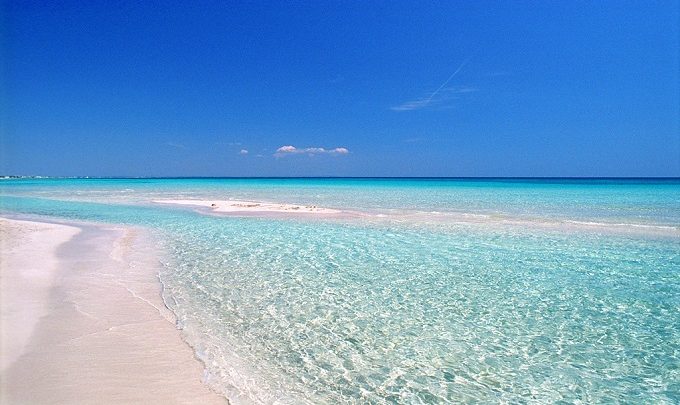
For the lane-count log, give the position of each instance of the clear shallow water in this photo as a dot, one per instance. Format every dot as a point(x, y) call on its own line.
point(355, 311)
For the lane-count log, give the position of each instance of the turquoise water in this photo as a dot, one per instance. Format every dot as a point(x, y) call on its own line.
point(512, 300)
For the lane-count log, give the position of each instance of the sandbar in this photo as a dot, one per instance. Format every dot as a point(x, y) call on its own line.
point(240, 206)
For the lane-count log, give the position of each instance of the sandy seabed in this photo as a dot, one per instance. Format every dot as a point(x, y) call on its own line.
point(83, 322)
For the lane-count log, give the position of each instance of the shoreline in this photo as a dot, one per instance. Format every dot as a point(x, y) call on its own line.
point(83, 319)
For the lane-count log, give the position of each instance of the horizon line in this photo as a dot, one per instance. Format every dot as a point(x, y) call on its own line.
point(10, 177)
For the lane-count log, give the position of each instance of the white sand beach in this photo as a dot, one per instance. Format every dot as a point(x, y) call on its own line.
point(239, 206)
point(82, 320)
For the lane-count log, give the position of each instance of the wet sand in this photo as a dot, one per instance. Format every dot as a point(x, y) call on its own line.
point(82, 320)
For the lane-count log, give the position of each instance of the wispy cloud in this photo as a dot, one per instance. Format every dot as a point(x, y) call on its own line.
point(175, 145)
point(411, 105)
point(441, 94)
point(440, 98)
point(292, 150)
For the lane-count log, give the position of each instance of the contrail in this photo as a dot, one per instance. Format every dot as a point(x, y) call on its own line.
point(447, 80)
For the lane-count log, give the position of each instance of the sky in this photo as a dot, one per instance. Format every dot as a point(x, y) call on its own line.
point(340, 88)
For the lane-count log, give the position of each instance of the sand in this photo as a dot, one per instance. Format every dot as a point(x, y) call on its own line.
point(82, 320)
point(238, 206)
point(422, 218)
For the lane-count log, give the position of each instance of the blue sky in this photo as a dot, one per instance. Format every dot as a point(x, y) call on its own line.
point(380, 88)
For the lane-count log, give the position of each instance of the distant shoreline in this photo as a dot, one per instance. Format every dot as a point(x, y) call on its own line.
point(481, 178)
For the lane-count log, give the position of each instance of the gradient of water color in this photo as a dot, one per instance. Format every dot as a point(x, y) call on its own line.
point(486, 307)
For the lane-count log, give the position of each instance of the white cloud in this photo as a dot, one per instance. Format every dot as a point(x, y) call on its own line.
point(287, 149)
point(243, 152)
point(292, 150)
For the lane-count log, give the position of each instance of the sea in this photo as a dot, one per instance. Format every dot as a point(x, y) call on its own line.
point(424, 290)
